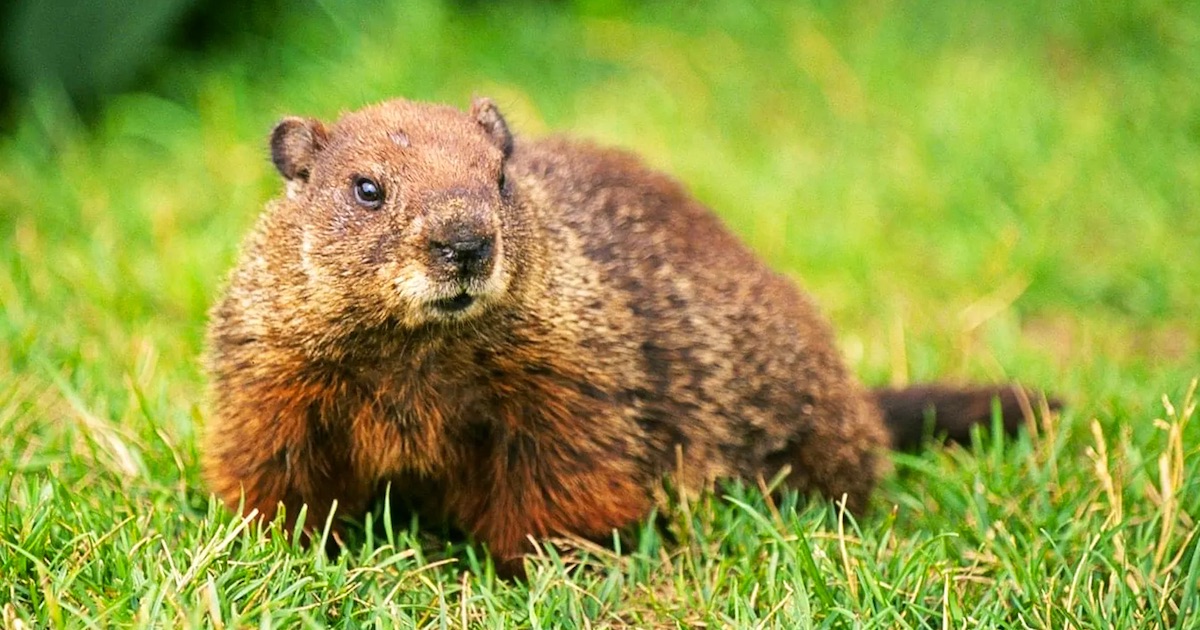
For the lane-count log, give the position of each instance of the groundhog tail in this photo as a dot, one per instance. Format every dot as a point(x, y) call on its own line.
point(948, 413)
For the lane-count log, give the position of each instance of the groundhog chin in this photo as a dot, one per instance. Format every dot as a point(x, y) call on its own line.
point(424, 300)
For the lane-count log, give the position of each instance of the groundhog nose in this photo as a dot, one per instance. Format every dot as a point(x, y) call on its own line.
point(469, 255)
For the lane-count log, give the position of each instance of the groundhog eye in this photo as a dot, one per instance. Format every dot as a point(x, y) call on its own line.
point(367, 192)
point(502, 181)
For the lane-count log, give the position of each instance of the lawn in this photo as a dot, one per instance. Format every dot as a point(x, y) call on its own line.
point(972, 193)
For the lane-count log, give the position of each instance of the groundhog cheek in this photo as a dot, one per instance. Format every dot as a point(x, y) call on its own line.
point(408, 284)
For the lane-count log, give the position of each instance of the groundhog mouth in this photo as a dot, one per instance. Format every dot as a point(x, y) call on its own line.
point(454, 304)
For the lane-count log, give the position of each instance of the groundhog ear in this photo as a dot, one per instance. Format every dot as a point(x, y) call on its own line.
point(485, 112)
point(294, 144)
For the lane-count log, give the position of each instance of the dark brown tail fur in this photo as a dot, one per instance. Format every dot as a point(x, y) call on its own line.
point(951, 411)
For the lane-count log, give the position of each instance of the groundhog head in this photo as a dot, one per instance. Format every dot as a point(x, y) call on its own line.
point(402, 209)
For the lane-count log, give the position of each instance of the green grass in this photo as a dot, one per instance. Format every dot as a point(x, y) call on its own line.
point(972, 193)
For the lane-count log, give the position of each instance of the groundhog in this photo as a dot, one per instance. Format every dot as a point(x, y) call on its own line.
point(523, 338)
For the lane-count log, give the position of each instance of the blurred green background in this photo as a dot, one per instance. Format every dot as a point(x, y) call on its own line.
point(972, 191)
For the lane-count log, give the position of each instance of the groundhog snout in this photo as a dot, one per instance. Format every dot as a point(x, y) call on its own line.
point(464, 250)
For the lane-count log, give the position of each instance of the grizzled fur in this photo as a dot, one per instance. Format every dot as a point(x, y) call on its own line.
point(605, 323)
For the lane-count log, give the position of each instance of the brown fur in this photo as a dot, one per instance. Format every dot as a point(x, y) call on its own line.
point(611, 319)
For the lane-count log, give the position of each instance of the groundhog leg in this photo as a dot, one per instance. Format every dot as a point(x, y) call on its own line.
point(839, 455)
point(536, 490)
point(507, 525)
point(284, 454)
